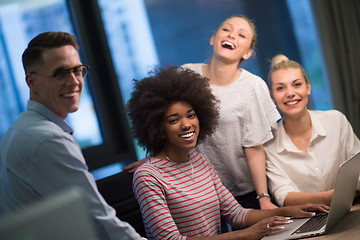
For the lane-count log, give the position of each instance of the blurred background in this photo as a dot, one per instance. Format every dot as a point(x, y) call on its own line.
point(123, 40)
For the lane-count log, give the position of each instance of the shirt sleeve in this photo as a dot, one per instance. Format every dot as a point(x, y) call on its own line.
point(230, 209)
point(280, 185)
point(260, 114)
point(351, 141)
point(61, 163)
point(149, 192)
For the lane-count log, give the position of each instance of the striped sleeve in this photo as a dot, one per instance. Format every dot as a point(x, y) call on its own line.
point(230, 209)
point(158, 221)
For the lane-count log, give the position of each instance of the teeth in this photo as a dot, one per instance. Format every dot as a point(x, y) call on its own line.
point(292, 103)
point(70, 94)
point(228, 44)
point(187, 135)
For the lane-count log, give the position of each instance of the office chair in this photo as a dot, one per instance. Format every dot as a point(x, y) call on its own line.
point(117, 191)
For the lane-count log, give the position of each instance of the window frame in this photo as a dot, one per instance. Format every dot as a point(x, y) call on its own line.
point(117, 143)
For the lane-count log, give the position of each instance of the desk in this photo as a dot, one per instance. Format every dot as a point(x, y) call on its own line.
point(347, 229)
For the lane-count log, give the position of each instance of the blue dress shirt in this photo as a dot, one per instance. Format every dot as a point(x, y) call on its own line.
point(40, 157)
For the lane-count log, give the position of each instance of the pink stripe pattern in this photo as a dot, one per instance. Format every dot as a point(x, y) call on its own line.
point(177, 203)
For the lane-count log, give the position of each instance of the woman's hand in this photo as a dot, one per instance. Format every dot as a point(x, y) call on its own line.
point(306, 210)
point(265, 227)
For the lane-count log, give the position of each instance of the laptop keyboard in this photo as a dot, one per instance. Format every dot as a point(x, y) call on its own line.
point(313, 224)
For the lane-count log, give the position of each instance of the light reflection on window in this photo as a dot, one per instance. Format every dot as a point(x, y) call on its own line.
point(131, 44)
point(310, 50)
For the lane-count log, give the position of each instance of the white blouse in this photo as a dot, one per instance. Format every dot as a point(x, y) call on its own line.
point(291, 170)
point(246, 116)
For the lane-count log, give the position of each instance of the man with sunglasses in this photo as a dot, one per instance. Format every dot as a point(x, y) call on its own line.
point(39, 155)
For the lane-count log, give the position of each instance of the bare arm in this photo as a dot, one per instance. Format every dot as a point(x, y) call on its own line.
point(256, 160)
point(296, 198)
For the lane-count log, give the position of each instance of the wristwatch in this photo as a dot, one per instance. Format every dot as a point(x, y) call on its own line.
point(261, 195)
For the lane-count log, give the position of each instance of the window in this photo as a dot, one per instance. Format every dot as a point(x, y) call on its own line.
point(123, 40)
point(131, 44)
point(182, 30)
point(308, 43)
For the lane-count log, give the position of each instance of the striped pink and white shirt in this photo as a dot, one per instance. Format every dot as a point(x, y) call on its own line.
point(180, 200)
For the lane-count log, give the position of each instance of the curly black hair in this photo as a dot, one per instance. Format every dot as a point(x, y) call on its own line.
point(153, 95)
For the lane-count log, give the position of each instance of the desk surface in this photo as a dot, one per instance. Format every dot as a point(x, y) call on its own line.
point(347, 229)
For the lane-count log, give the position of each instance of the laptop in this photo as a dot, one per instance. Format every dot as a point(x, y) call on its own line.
point(61, 216)
point(345, 187)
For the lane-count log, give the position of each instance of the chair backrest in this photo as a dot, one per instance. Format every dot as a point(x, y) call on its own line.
point(117, 191)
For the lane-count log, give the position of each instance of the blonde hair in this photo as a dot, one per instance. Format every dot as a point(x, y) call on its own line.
point(280, 61)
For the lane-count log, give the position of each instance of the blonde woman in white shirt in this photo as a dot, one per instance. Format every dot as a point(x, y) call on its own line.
point(308, 146)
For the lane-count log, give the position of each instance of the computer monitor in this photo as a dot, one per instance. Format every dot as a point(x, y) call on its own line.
point(61, 216)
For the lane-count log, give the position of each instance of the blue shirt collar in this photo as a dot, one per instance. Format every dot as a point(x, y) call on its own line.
point(46, 112)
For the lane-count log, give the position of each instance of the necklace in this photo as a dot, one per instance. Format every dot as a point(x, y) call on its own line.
point(192, 168)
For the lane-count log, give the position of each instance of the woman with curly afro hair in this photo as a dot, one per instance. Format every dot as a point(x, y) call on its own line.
point(178, 190)
point(152, 96)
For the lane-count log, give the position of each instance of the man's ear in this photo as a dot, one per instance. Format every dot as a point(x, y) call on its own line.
point(29, 80)
point(32, 83)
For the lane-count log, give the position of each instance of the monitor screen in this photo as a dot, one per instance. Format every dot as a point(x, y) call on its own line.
point(61, 216)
